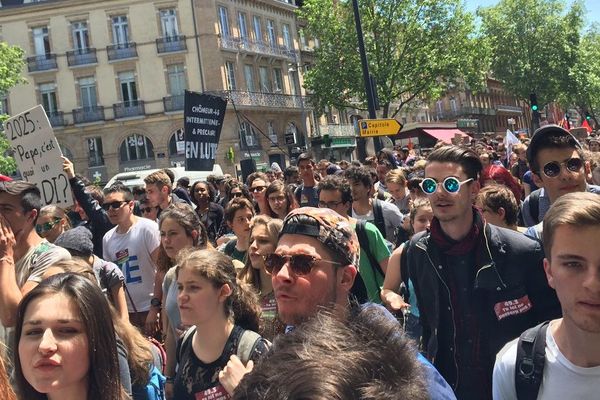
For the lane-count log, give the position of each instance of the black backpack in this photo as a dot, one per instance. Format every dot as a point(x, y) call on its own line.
point(529, 365)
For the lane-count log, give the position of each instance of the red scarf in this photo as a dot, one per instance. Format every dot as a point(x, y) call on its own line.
point(457, 248)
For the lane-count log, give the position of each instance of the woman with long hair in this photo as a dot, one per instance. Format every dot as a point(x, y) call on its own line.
point(6, 391)
point(51, 222)
point(280, 200)
point(210, 213)
point(65, 342)
point(257, 184)
point(224, 313)
point(180, 228)
point(264, 232)
point(498, 174)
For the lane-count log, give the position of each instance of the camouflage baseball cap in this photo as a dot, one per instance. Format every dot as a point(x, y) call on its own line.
point(333, 230)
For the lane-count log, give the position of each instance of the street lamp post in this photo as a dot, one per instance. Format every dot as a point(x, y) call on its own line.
point(295, 70)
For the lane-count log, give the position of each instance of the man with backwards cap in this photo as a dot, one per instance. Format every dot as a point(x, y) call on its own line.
point(558, 167)
point(314, 267)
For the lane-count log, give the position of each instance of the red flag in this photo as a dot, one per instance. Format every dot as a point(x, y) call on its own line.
point(587, 126)
point(564, 123)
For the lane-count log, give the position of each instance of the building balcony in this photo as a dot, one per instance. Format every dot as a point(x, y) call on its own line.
point(245, 45)
point(173, 103)
point(270, 100)
point(44, 62)
point(503, 108)
point(337, 130)
point(129, 109)
point(121, 51)
point(86, 115)
point(82, 57)
point(56, 118)
point(171, 44)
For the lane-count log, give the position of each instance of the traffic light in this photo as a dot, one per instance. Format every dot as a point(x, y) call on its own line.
point(533, 102)
point(588, 117)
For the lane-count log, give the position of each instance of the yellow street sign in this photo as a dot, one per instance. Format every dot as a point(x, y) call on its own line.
point(379, 127)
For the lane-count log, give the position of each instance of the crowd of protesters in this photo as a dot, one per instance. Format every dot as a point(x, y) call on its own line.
point(416, 273)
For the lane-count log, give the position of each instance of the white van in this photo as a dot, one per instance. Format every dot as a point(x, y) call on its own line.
point(136, 178)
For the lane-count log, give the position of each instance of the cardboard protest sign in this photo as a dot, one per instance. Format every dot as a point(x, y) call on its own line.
point(203, 120)
point(37, 154)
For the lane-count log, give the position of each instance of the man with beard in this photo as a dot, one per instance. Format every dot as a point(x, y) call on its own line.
point(478, 286)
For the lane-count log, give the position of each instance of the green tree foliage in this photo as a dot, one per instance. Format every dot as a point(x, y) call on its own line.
point(415, 49)
point(582, 88)
point(11, 63)
point(534, 44)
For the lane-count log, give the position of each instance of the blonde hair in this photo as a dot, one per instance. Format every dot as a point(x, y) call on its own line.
point(396, 176)
point(6, 391)
point(251, 275)
point(56, 213)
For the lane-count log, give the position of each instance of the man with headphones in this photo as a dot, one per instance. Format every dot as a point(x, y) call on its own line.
point(478, 286)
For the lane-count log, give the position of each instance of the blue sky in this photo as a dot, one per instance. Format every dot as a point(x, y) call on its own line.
point(592, 7)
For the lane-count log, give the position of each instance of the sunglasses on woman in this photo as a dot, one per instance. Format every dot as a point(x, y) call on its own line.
point(451, 185)
point(299, 264)
point(552, 169)
point(148, 209)
point(45, 227)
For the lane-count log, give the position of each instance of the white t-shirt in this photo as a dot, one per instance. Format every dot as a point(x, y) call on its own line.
point(562, 379)
point(132, 251)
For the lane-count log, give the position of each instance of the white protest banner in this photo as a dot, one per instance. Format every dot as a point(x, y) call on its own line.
point(38, 155)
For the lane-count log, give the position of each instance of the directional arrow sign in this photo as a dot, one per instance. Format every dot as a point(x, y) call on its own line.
point(379, 127)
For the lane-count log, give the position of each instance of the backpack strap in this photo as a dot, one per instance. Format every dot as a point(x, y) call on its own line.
point(404, 270)
point(247, 344)
point(298, 193)
point(361, 232)
point(184, 339)
point(534, 205)
point(529, 365)
point(378, 216)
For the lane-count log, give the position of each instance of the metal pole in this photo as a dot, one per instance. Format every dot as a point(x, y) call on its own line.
point(361, 145)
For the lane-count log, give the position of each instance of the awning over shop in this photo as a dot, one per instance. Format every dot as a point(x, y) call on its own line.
point(445, 135)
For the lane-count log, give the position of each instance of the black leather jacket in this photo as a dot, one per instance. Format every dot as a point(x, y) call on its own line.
point(510, 268)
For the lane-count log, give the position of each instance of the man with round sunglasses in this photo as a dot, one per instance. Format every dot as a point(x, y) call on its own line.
point(477, 285)
point(314, 267)
point(558, 167)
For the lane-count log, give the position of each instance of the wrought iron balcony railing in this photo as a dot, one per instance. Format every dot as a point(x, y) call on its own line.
point(251, 46)
point(88, 114)
point(173, 103)
point(82, 57)
point(56, 118)
point(128, 109)
point(171, 44)
point(271, 100)
point(121, 51)
point(44, 62)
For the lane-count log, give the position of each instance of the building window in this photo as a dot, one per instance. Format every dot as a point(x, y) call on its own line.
point(177, 143)
point(248, 135)
point(223, 22)
point(230, 75)
point(242, 25)
point(249, 76)
point(293, 74)
point(41, 40)
point(453, 106)
point(128, 89)
point(287, 37)
point(136, 147)
point(87, 91)
point(277, 80)
point(120, 30)
point(265, 85)
point(176, 74)
point(48, 94)
point(96, 155)
point(257, 27)
point(168, 22)
point(271, 34)
point(79, 32)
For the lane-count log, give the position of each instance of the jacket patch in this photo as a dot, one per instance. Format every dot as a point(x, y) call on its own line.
point(507, 308)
